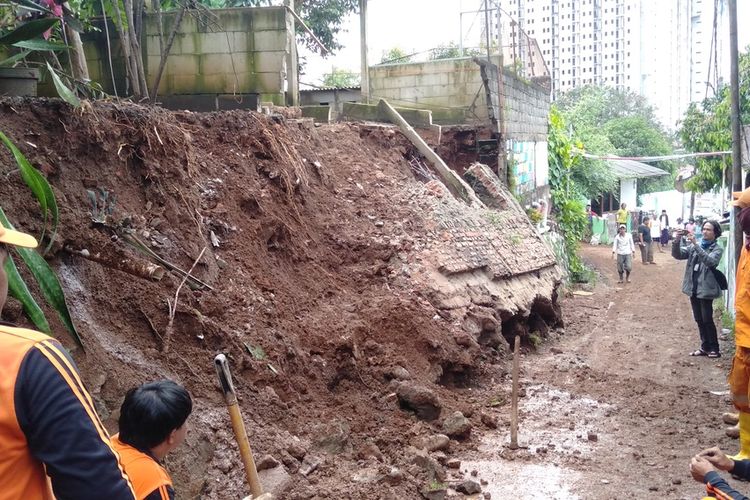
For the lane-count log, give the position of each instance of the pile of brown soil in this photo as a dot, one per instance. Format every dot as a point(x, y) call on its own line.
point(300, 228)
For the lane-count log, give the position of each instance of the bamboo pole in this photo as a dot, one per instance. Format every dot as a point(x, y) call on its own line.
point(457, 186)
point(514, 396)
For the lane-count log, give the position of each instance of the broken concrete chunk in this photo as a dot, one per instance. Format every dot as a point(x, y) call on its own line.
point(297, 450)
point(419, 399)
point(437, 494)
point(332, 437)
point(457, 425)
point(309, 465)
point(435, 442)
point(267, 462)
point(468, 487)
point(394, 476)
point(371, 450)
point(398, 373)
point(488, 420)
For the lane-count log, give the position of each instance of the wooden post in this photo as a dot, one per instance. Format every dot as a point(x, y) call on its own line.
point(514, 397)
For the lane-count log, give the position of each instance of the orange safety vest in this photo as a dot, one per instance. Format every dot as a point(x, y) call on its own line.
point(145, 473)
point(742, 301)
point(21, 475)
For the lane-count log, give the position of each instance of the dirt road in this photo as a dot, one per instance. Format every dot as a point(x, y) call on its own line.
point(615, 407)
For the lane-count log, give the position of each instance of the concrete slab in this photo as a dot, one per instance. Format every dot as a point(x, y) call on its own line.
point(190, 102)
point(238, 101)
point(321, 114)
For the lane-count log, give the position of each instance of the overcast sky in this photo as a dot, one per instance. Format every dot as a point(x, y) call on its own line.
point(412, 25)
point(419, 25)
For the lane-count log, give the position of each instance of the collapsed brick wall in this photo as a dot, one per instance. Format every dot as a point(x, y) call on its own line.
point(487, 270)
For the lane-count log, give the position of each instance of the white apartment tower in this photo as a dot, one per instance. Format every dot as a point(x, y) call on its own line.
point(664, 50)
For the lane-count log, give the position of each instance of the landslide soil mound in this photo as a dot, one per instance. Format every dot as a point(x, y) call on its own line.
point(304, 230)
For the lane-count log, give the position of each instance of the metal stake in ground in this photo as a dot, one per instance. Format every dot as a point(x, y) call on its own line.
point(225, 380)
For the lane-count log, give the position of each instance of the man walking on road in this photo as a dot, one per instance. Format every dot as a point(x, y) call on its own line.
point(645, 242)
point(624, 249)
point(622, 215)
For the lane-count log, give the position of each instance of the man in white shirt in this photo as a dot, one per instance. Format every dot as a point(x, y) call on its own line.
point(624, 248)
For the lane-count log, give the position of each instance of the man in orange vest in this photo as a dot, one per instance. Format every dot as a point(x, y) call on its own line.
point(739, 376)
point(52, 443)
point(152, 424)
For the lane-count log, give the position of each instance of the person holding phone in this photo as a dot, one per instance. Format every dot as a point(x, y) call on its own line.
point(700, 282)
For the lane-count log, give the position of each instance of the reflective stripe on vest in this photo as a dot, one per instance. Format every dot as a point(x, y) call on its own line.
point(145, 473)
point(21, 476)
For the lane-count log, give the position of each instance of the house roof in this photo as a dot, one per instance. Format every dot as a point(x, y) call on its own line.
point(318, 89)
point(631, 169)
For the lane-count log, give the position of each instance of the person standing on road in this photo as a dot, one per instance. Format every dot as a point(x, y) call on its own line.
point(52, 443)
point(624, 250)
point(690, 226)
point(739, 376)
point(656, 234)
point(700, 283)
point(644, 241)
point(622, 215)
point(664, 224)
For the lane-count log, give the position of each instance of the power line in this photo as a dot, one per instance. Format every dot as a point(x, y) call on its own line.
point(647, 159)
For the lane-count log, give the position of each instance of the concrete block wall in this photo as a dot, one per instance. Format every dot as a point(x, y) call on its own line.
point(247, 57)
point(453, 90)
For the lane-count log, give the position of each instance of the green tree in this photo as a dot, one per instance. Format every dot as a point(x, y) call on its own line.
point(594, 106)
point(340, 78)
point(566, 196)
point(705, 127)
point(396, 55)
point(608, 121)
point(445, 51)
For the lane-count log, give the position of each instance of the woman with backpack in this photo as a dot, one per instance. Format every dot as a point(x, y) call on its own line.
point(702, 281)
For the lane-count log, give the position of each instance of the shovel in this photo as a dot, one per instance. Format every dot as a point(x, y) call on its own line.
point(225, 380)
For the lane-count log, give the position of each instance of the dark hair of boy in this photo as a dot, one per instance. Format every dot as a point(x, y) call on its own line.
point(151, 412)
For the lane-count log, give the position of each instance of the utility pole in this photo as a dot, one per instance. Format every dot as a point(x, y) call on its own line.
point(735, 117)
point(292, 63)
point(365, 78)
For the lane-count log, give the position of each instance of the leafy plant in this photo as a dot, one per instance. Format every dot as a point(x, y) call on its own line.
point(566, 197)
point(43, 274)
point(395, 55)
point(29, 37)
point(39, 186)
point(535, 339)
point(340, 78)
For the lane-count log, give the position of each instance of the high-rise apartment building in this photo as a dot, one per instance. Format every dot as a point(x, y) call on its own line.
point(665, 50)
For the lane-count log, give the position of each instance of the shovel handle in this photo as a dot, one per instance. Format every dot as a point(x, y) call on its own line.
point(238, 426)
point(225, 378)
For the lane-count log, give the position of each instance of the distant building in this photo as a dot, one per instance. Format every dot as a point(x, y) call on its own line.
point(663, 50)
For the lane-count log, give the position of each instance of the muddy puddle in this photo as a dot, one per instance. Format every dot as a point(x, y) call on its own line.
point(557, 432)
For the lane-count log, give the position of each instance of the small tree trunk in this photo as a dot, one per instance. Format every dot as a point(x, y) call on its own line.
point(77, 56)
point(130, 69)
point(165, 50)
point(139, 82)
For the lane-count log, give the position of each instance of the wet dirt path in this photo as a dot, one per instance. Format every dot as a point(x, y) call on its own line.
point(615, 407)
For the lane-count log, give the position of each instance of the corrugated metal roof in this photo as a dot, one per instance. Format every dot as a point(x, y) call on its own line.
point(316, 89)
point(631, 169)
